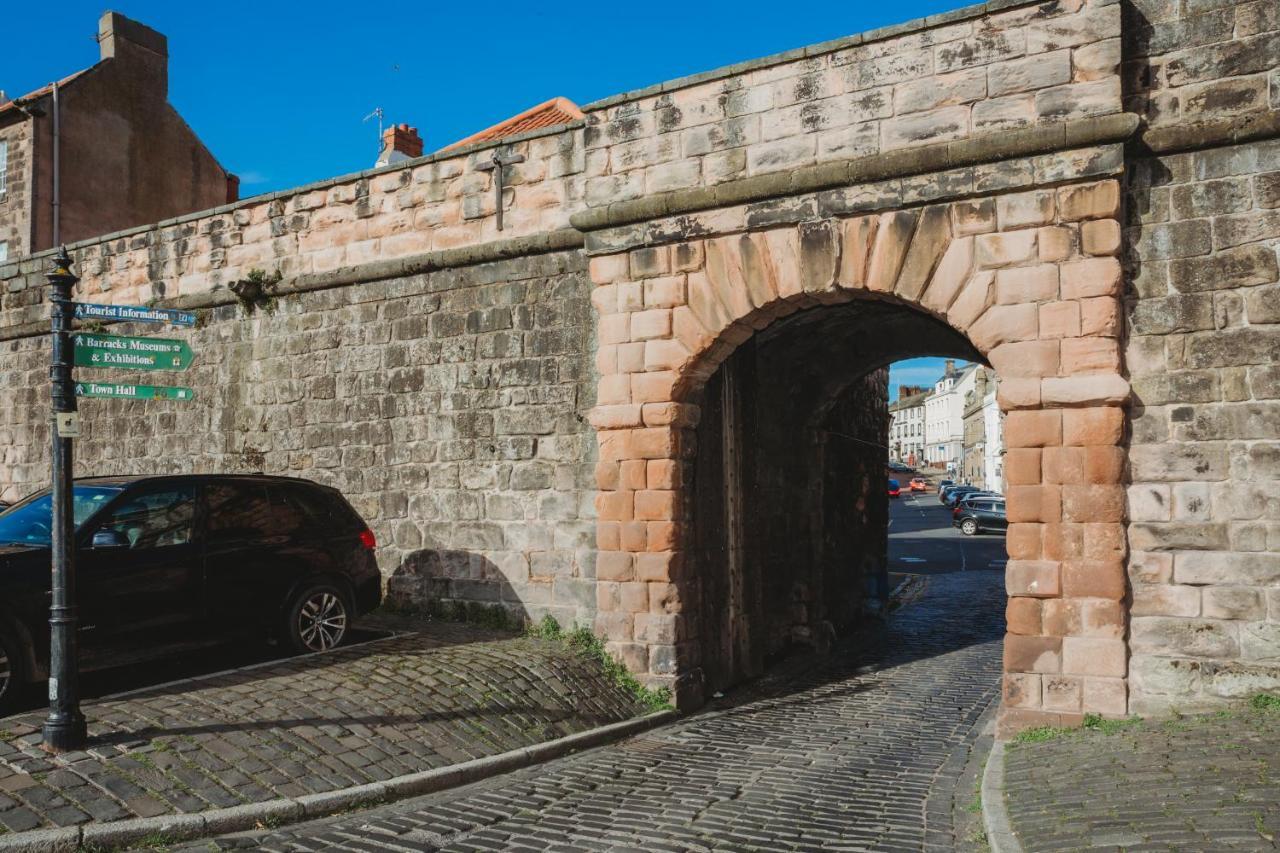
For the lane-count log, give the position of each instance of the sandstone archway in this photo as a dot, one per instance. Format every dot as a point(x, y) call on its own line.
point(1030, 279)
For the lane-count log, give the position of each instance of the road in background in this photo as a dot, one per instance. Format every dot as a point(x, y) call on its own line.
point(923, 542)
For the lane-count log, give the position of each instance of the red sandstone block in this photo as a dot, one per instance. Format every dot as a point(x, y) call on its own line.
point(609, 535)
point(614, 390)
point(608, 475)
point(615, 505)
point(1090, 201)
point(1108, 696)
point(1011, 721)
point(633, 536)
point(1024, 359)
point(1099, 425)
point(1094, 656)
point(1056, 243)
point(654, 323)
point(1090, 355)
point(670, 414)
point(632, 474)
point(1033, 428)
point(654, 387)
point(1100, 237)
point(1091, 502)
point(1105, 541)
point(607, 268)
point(1093, 579)
point(633, 597)
point(1023, 616)
point(615, 417)
point(614, 566)
point(655, 504)
point(1063, 465)
point(608, 596)
point(669, 354)
point(654, 443)
point(1035, 503)
point(1090, 277)
point(1021, 690)
point(663, 535)
point(656, 566)
point(1023, 541)
point(615, 329)
point(1104, 619)
point(665, 292)
point(1014, 394)
point(1032, 578)
point(1037, 283)
point(1061, 692)
point(687, 329)
point(1100, 315)
point(1062, 617)
point(1104, 465)
point(664, 598)
point(1059, 320)
point(663, 474)
point(1063, 541)
point(1022, 466)
point(1095, 389)
point(1032, 654)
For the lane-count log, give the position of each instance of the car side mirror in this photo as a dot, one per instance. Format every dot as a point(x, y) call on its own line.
point(109, 539)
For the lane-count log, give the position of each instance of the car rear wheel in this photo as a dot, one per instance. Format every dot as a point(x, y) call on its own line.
point(11, 672)
point(317, 619)
point(969, 527)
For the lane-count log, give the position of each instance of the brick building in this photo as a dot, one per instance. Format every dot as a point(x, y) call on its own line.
point(102, 150)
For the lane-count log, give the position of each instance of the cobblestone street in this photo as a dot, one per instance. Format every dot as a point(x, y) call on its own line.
point(861, 752)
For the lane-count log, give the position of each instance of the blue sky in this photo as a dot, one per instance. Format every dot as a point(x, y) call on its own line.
point(916, 371)
point(279, 90)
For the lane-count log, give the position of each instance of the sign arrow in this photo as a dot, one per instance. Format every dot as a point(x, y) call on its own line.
point(133, 314)
point(93, 350)
point(117, 391)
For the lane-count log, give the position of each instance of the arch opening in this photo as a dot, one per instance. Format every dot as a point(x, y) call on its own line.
point(789, 512)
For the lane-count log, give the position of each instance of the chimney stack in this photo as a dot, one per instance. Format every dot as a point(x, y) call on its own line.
point(399, 142)
point(136, 45)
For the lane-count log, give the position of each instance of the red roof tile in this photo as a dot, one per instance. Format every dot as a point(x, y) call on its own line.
point(7, 105)
point(550, 113)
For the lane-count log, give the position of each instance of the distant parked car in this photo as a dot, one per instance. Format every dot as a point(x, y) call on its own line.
point(959, 493)
point(918, 484)
point(943, 485)
point(975, 514)
point(167, 562)
point(894, 489)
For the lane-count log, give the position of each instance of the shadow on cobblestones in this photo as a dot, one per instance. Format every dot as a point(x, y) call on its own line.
point(306, 725)
point(861, 749)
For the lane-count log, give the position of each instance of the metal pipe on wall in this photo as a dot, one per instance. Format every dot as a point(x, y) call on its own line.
point(57, 176)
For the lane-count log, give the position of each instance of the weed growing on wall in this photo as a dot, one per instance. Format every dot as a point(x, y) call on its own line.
point(582, 640)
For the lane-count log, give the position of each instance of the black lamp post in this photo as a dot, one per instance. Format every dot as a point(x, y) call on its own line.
point(64, 730)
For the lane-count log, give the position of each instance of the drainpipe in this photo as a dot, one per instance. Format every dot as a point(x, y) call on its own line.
point(57, 175)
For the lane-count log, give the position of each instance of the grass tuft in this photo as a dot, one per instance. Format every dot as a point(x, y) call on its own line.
point(1265, 702)
point(582, 640)
point(1098, 723)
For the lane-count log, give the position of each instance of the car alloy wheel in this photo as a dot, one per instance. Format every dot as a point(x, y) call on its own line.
point(322, 621)
point(969, 527)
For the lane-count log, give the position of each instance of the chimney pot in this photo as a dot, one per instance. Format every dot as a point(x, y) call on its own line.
point(399, 142)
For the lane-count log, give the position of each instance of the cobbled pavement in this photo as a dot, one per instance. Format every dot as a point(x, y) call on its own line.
point(861, 751)
point(306, 725)
point(1207, 783)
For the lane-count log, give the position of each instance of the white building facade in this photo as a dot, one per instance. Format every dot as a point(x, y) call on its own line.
point(906, 425)
point(944, 416)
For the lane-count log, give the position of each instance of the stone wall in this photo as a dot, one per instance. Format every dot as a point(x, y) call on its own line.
point(1189, 62)
point(449, 407)
point(15, 204)
point(1204, 325)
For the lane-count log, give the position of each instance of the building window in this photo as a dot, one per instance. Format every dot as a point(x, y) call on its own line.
point(4, 251)
point(4, 168)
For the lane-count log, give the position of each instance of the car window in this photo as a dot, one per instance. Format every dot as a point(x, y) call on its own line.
point(154, 519)
point(31, 521)
point(237, 511)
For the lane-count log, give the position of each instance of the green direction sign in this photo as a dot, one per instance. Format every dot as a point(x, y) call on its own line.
point(94, 350)
point(117, 391)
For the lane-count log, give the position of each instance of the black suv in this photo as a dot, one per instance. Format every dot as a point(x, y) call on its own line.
point(977, 512)
point(168, 563)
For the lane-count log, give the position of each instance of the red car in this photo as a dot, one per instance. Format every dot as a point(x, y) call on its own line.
point(918, 484)
point(894, 489)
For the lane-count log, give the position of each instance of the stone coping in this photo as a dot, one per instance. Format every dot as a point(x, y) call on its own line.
point(1231, 130)
point(987, 148)
point(7, 269)
point(464, 256)
point(965, 13)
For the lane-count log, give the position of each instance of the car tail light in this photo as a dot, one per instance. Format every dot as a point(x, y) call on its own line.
point(367, 539)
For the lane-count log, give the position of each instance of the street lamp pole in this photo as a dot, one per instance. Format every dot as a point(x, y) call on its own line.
point(64, 729)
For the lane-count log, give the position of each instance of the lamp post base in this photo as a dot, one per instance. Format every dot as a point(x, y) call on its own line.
point(64, 733)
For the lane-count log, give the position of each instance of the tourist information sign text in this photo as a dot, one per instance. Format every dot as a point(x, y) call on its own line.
point(116, 391)
point(131, 353)
point(133, 314)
